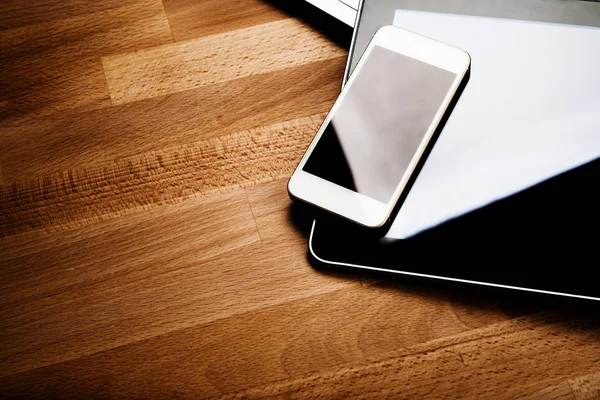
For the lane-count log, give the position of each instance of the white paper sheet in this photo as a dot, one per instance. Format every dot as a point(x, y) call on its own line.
point(530, 111)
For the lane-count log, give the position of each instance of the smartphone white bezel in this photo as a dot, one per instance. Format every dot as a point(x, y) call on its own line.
point(347, 203)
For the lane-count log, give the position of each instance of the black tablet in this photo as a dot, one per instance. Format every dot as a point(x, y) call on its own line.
point(544, 239)
point(508, 200)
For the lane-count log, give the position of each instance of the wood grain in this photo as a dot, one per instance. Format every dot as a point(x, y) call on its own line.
point(485, 363)
point(165, 176)
point(272, 212)
point(17, 13)
point(191, 19)
point(52, 66)
point(272, 344)
point(586, 387)
point(107, 135)
point(560, 391)
point(1, 175)
point(120, 27)
point(148, 247)
point(44, 90)
point(123, 286)
point(217, 58)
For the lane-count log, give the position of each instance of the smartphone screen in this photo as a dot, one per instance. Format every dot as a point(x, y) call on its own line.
point(380, 123)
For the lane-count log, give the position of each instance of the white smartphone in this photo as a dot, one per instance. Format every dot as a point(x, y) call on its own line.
point(362, 158)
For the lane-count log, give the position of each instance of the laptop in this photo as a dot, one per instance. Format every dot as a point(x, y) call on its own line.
point(344, 10)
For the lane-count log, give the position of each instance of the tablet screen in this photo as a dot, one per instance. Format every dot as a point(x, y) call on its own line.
point(528, 113)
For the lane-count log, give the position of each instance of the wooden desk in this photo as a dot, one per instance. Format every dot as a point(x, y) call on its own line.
point(147, 248)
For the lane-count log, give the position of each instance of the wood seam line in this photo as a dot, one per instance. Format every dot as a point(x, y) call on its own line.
point(162, 3)
point(253, 216)
point(1, 175)
point(112, 102)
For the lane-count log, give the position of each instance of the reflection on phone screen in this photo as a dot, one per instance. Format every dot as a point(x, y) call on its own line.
point(380, 123)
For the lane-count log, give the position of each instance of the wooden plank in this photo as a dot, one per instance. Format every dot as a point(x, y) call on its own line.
point(351, 325)
point(18, 13)
point(166, 176)
point(191, 19)
point(124, 27)
point(586, 387)
point(53, 66)
point(143, 274)
point(508, 360)
point(73, 294)
point(212, 59)
point(30, 267)
point(29, 89)
point(76, 140)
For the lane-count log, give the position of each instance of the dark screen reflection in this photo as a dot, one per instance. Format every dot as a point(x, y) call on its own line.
point(329, 162)
point(380, 123)
point(544, 238)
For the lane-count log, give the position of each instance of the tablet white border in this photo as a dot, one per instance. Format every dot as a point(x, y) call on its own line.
point(443, 278)
point(337, 9)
